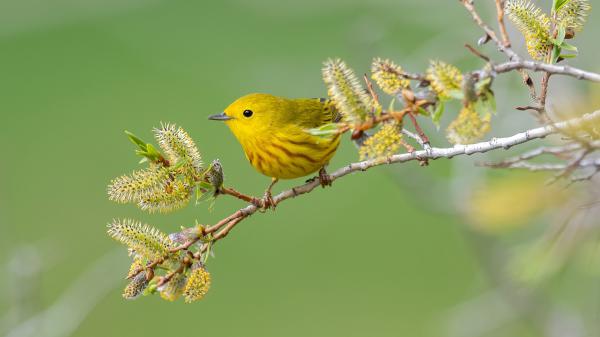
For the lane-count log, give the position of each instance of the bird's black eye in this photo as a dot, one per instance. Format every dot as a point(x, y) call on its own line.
point(247, 113)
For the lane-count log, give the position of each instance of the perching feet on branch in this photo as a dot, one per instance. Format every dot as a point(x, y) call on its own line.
point(267, 201)
point(323, 177)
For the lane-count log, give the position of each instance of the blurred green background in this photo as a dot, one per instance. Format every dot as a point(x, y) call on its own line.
point(382, 253)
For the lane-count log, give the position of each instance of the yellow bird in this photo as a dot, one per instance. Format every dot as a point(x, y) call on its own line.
point(273, 132)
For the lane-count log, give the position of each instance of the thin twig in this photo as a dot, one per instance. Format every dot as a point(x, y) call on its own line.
point(544, 91)
point(236, 194)
point(414, 137)
point(489, 31)
point(227, 228)
point(501, 25)
point(420, 132)
point(573, 165)
point(530, 166)
point(371, 90)
point(554, 150)
point(477, 52)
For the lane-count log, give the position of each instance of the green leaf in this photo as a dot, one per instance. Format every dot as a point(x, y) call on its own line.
point(205, 195)
point(423, 112)
point(567, 56)
point(152, 151)
point(204, 185)
point(486, 105)
point(436, 116)
point(483, 85)
point(136, 140)
point(568, 46)
point(560, 37)
point(558, 4)
point(555, 53)
point(151, 289)
point(145, 150)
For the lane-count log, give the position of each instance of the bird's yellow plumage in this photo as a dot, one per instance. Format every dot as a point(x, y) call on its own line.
point(273, 132)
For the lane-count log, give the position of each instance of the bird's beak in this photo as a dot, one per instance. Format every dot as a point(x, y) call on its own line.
point(220, 117)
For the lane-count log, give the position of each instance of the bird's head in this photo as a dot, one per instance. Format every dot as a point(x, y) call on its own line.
point(251, 114)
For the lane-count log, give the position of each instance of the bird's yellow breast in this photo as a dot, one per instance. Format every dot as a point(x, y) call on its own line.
point(288, 155)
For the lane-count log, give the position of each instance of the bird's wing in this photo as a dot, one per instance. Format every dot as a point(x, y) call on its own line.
point(315, 112)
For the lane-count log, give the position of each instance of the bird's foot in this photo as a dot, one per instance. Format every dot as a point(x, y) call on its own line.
point(324, 178)
point(267, 200)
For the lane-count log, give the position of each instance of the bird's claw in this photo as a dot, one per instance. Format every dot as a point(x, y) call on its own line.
point(324, 178)
point(265, 202)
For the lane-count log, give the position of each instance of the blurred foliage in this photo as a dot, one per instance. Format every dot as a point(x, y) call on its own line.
point(512, 201)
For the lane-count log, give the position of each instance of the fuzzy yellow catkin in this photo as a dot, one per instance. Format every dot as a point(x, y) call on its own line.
point(178, 145)
point(141, 183)
point(146, 241)
point(197, 285)
point(533, 24)
point(349, 97)
point(389, 76)
point(174, 288)
point(175, 196)
point(573, 14)
point(444, 78)
point(136, 266)
point(468, 127)
point(383, 143)
point(135, 287)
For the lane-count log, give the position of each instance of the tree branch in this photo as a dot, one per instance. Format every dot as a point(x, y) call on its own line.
point(549, 68)
point(432, 153)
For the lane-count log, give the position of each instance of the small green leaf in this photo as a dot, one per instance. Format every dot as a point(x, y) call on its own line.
point(486, 105)
point(205, 185)
point(202, 196)
point(151, 289)
point(483, 85)
point(555, 53)
point(558, 4)
point(423, 112)
point(145, 150)
point(136, 140)
point(567, 56)
point(568, 46)
point(560, 38)
point(436, 116)
point(152, 151)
